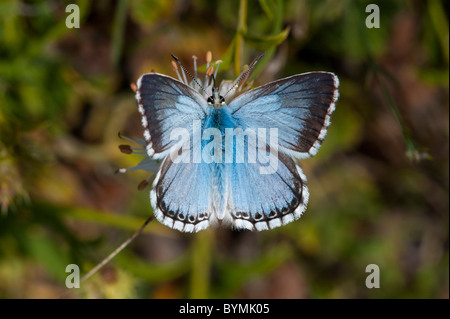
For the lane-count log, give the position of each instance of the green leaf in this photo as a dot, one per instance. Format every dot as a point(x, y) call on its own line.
point(268, 8)
point(47, 252)
point(124, 222)
point(265, 42)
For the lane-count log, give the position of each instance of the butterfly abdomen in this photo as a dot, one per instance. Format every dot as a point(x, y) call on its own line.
point(219, 119)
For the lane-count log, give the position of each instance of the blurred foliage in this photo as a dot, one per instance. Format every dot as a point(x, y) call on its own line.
point(379, 185)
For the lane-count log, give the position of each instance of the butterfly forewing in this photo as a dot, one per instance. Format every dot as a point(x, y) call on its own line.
point(164, 104)
point(299, 106)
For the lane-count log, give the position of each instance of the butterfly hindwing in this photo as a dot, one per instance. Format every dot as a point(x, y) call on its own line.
point(300, 107)
point(258, 201)
point(181, 194)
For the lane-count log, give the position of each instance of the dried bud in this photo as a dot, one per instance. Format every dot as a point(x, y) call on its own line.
point(142, 185)
point(174, 66)
point(210, 71)
point(208, 57)
point(126, 149)
point(133, 87)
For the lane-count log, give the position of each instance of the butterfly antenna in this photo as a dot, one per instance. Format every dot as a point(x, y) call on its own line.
point(244, 74)
point(185, 70)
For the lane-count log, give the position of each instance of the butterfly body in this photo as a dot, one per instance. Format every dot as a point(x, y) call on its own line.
point(233, 163)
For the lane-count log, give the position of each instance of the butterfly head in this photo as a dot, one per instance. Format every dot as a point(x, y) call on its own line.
point(220, 95)
point(216, 100)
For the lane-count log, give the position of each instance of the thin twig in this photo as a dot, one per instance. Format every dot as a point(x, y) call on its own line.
point(112, 255)
point(116, 251)
point(241, 28)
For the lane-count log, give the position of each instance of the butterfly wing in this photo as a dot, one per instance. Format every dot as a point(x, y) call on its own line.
point(181, 194)
point(300, 107)
point(258, 201)
point(164, 104)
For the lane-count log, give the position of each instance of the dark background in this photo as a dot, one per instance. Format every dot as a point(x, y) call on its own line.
point(379, 184)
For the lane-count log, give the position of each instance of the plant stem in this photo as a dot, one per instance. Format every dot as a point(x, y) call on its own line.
point(242, 28)
point(201, 264)
point(116, 251)
point(118, 31)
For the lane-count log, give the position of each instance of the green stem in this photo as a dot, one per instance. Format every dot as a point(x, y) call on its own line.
point(242, 28)
point(394, 109)
point(440, 24)
point(118, 31)
point(201, 264)
point(411, 149)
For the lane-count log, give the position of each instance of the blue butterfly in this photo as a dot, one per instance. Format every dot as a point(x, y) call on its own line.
point(249, 179)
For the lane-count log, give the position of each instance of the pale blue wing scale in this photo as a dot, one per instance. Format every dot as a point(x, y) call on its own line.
point(299, 106)
point(181, 194)
point(164, 104)
point(258, 201)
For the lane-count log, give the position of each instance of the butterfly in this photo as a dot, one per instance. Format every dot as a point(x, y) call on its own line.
point(251, 180)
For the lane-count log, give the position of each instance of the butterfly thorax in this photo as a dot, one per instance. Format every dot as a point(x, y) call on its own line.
point(220, 117)
point(216, 100)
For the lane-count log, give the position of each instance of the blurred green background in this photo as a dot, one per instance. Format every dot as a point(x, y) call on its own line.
point(379, 185)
